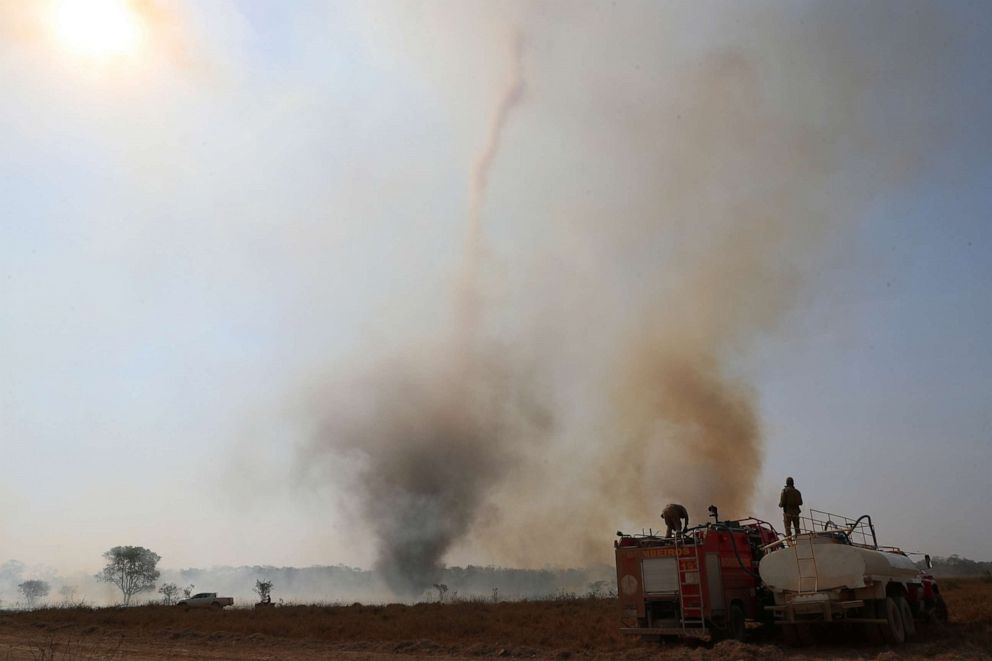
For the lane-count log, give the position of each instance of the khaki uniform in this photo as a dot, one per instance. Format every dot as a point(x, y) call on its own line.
point(673, 515)
point(790, 502)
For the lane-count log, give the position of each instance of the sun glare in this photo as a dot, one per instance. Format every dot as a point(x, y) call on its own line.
point(98, 28)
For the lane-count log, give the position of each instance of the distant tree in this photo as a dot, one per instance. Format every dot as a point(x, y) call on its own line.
point(169, 592)
point(188, 590)
point(33, 591)
point(596, 589)
point(955, 565)
point(131, 569)
point(68, 594)
point(442, 590)
point(264, 590)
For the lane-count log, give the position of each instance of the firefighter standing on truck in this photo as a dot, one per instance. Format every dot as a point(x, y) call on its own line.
point(790, 502)
point(673, 514)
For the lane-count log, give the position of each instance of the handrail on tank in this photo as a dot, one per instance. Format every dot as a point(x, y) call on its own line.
point(860, 531)
point(786, 539)
point(830, 528)
point(871, 527)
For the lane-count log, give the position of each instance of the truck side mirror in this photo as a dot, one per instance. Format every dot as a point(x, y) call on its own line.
point(928, 561)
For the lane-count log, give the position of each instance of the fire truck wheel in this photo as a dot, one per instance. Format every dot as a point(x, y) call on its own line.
point(736, 624)
point(908, 623)
point(892, 630)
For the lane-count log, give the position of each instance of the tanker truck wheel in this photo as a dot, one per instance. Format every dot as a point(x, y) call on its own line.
point(873, 632)
point(798, 635)
point(908, 623)
point(804, 632)
point(940, 610)
point(892, 631)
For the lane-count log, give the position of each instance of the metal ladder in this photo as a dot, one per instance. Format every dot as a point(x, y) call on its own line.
point(693, 601)
point(806, 563)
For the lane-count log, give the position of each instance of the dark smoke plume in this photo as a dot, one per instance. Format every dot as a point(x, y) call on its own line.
point(428, 445)
point(439, 431)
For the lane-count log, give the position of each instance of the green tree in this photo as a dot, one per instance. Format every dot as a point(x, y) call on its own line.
point(131, 569)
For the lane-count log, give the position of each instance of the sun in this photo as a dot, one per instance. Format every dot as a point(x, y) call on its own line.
point(99, 29)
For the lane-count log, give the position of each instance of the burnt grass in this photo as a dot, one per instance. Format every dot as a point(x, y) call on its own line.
point(558, 628)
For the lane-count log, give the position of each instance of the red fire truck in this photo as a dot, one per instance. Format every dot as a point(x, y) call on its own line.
point(703, 582)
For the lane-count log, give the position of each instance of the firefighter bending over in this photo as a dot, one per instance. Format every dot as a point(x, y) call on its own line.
point(789, 501)
point(673, 514)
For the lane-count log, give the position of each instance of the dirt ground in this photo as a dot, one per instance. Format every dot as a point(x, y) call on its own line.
point(575, 629)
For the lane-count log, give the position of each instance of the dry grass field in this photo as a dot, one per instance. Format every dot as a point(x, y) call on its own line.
point(560, 629)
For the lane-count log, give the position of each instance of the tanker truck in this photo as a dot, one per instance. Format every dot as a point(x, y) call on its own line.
point(836, 572)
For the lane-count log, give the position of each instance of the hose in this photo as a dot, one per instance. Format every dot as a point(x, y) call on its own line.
point(733, 543)
point(870, 527)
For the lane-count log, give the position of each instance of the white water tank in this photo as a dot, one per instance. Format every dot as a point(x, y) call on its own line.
point(825, 564)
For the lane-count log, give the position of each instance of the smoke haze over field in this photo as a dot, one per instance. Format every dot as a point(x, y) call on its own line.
point(316, 584)
point(402, 285)
point(723, 190)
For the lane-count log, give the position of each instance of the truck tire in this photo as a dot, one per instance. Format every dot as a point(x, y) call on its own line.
point(736, 623)
point(799, 634)
point(940, 610)
point(872, 632)
point(892, 631)
point(216, 606)
point(908, 623)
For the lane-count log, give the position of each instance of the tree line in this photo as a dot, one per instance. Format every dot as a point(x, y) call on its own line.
point(957, 566)
point(132, 571)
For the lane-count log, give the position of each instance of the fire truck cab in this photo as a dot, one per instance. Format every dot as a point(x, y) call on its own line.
point(703, 582)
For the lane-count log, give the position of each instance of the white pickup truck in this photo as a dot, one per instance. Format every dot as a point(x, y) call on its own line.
point(205, 600)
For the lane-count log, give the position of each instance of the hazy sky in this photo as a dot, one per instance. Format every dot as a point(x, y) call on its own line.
point(208, 209)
